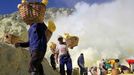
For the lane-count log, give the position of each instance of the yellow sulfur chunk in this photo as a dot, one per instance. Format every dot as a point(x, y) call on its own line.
point(52, 46)
point(23, 1)
point(45, 2)
point(51, 26)
point(18, 5)
point(66, 35)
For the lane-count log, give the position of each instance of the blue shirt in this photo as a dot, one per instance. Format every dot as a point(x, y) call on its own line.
point(80, 61)
point(37, 37)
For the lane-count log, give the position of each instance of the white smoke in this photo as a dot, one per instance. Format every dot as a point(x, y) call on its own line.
point(105, 30)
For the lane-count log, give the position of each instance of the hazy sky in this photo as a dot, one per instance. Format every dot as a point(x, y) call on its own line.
point(9, 6)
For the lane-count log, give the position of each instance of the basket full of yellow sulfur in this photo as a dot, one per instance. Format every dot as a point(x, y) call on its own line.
point(32, 11)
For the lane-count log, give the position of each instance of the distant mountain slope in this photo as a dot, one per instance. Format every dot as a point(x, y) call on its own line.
point(13, 24)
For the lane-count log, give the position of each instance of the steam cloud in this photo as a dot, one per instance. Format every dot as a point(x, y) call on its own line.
point(105, 30)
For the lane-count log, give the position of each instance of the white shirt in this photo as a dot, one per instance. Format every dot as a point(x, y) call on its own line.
point(61, 49)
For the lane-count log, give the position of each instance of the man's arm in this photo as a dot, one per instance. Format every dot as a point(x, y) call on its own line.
point(23, 44)
point(56, 54)
point(56, 57)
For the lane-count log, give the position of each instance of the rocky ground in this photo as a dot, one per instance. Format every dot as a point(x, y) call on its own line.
point(14, 61)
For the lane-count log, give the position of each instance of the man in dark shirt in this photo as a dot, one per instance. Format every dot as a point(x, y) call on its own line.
point(81, 63)
point(37, 45)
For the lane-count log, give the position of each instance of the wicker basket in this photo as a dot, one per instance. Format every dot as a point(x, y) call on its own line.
point(72, 41)
point(32, 12)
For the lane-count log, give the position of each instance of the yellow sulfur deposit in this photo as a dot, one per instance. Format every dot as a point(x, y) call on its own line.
point(45, 2)
point(18, 6)
point(112, 61)
point(66, 35)
point(51, 26)
point(23, 1)
point(52, 45)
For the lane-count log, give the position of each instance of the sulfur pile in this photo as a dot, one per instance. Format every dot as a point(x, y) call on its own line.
point(14, 61)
